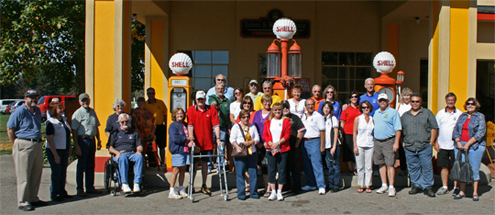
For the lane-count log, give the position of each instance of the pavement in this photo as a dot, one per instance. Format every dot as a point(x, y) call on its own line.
point(155, 201)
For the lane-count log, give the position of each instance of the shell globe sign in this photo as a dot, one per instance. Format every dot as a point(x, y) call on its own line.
point(384, 62)
point(284, 28)
point(180, 64)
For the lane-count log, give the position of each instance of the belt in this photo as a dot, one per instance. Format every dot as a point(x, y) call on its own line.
point(125, 151)
point(306, 139)
point(87, 137)
point(32, 140)
point(392, 137)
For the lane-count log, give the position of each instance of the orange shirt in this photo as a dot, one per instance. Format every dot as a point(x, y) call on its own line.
point(317, 102)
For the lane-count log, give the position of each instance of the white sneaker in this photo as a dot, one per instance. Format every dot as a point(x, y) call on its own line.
point(322, 191)
point(382, 189)
point(137, 188)
point(183, 194)
point(273, 196)
point(173, 195)
point(126, 188)
point(391, 192)
point(307, 187)
point(280, 197)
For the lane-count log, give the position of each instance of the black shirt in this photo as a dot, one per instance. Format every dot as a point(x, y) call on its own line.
point(126, 140)
point(297, 126)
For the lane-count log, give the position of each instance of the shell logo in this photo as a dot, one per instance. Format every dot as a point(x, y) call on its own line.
point(284, 28)
point(384, 62)
point(180, 64)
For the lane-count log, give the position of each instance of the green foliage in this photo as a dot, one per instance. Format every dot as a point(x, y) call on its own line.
point(137, 59)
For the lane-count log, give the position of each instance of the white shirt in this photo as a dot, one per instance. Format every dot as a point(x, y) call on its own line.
point(314, 124)
point(297, 108)
point(403, 108)
point(276, 129)
point(235, 108)
point(446, 123)
point(236, 135)
point(364, 136)
point(330, 124)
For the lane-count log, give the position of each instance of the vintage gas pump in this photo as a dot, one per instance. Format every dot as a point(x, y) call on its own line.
point(384, 63)
point(179, 89)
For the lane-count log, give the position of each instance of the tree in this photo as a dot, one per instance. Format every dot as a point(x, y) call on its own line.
point(137, 58)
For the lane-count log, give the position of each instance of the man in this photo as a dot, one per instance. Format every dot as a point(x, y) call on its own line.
point(159, 110)
point(387, 134)
point(222, 104)
point(267, 90)
point(84, 130)
point(24, 131)
point(229, 91)
point(314, 145)
point(293, 168)
point(253, 90)
point(370, 95)
point(446, 119)
point(419, 128)
point(316, 91)
point(203, 120)
point(126, 146)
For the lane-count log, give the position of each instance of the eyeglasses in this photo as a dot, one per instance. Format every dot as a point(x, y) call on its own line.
point(310, 104)
point(238, 93)
point(415, 101)
point(220, 79)
point(364, 107)
point(253, 84)
point(245, 117)
point(246, 103)
point(353, 97)
point(382, 100)
point(276, 110)
point(470, 103)
point(201, 99)
point(330, 92)
point(124, 122)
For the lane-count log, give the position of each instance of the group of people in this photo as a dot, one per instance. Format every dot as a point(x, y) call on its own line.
point(274, 131)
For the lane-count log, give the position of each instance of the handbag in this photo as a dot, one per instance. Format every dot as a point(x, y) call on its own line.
point(243, 153)
point(461, 170)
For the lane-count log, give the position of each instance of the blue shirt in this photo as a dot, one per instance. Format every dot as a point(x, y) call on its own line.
point(229, 93)
point(372, 99)
point(25, 124)
point(386, 123)
point(336, 108)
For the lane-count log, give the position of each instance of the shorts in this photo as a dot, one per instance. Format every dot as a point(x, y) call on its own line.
point(204, 159)
point(161, 136)
point(445, 157)
point(383, 152)
point(180, 159)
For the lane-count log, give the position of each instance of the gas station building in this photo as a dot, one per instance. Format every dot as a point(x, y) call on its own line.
point(441, 45)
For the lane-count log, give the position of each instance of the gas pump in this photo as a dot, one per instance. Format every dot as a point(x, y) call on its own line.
point(179, 90)
point(384, 63)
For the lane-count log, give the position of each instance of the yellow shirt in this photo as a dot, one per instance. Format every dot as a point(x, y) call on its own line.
point(259, 106)
point(159, 111)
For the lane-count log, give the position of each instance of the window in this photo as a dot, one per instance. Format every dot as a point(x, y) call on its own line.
point(346, 71)
point(207, 65)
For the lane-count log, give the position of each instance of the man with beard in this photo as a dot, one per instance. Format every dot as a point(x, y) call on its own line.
point(253, 90)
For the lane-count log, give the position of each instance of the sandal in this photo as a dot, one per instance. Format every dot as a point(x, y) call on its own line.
point(368, 190)
point(267, 194)
point(360, 190)
point(247, 189)
point(476, 198)
point(459, 196)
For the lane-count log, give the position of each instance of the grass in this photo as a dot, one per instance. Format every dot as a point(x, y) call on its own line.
point(5, 144)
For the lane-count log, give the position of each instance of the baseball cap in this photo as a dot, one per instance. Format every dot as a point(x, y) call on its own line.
point(253, 81)
point(200, 95)
point(382, 96)
point(30, 92)
point(285, 104)
point(83, 96)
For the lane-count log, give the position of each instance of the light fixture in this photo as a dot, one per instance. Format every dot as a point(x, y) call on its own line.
point(417, 20)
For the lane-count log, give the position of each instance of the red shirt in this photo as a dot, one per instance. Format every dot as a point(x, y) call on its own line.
point(203, 123)
point(348, 116)
point(465, 131)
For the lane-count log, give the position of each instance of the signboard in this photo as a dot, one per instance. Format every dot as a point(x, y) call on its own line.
point(263, 27)
point(306, 84)
point(179, 82)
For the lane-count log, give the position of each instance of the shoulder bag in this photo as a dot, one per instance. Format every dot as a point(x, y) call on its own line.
point(244, 152)
point(461, 170)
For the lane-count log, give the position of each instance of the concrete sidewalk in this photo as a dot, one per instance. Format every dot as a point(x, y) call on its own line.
point(155, 201)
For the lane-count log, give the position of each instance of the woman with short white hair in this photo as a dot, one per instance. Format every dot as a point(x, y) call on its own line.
point(112, 121)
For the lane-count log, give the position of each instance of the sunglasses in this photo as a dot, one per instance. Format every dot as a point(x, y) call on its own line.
point(246, 103)
point(277, 110)
point(330, 92)
point(382, 100)
point(124, 122)
point(253, 85)
point(470, 103)
point(353, 97)
point(245, 117)
point(364, 107)
point(220, 79)
point(415, 101)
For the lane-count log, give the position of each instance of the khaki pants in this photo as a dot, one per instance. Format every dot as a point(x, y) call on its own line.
point(28, 160)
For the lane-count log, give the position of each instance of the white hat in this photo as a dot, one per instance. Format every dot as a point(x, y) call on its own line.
point(253, 81)
point(382, 96)
point(200, 95)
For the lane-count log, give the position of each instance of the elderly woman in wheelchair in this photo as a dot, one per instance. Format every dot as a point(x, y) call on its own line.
point(126, 147)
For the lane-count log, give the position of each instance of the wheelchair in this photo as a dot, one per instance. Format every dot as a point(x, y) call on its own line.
point(112, 181)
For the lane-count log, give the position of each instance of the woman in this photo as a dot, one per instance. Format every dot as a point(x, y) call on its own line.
point(113, 125)
point(144, 122)
point(296, 103)
point(276, 135)
point(363, 146)
point(403, 106)
point(247, 104)
point(58, 150)
point(246, 134)
point(332, 149)
point(179, 147)
point(259, 120)
point(236, 106)
point(469, 136)
point(331, 96)
point(347, 122)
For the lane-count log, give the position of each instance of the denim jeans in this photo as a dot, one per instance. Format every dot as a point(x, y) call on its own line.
point(276, 163)
point(420, 167)
point(59, 171)
point(475, 157)
point(333, 164)
point(86, 164)
point(220, 149)
point(312, 163)
point(123, 161)
point(242, 165)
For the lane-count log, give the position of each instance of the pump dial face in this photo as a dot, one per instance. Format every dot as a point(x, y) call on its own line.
point(390, 93)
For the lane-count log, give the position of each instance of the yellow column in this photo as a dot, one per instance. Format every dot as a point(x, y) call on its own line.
point(433, 103)
point(459, 26)
point(156, 56)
